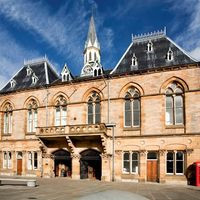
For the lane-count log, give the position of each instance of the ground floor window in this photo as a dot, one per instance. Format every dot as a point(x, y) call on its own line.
point(130, 162)
point(32, 160)
point(175, 162)
point(7, 160)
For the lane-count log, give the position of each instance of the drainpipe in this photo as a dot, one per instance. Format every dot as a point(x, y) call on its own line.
point(108, 87)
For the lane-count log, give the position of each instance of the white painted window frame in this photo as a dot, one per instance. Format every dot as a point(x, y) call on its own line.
point(132, 110)
point(130, 162)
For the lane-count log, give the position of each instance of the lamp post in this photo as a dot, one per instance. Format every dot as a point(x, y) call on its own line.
point(112, 125)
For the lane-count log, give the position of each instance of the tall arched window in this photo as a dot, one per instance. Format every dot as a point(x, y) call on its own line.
point(61, 111)
point(32, 116)
point(132, 108)
point(94, 108)
point(174, 104)
point(8, 112)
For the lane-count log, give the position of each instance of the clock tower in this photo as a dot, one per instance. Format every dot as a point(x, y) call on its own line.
point(92, 58)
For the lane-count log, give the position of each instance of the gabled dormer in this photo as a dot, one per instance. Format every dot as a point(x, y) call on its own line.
point(66, 74)
point(13, 83)
point(34, 79)
point(28, 71)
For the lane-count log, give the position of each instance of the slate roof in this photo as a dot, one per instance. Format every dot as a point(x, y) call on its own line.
point(24, 81)
point(156, 58)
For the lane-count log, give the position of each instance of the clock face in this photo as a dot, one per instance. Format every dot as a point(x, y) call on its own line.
point(87, 69)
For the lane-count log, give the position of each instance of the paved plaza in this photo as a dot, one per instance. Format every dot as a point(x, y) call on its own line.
point(64, 189)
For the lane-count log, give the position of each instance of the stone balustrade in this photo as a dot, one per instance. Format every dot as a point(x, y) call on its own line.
point(71, 129)
point(51, 130)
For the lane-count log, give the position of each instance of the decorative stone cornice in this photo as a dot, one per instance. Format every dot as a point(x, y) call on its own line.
point(76, 156)
point(106, 156)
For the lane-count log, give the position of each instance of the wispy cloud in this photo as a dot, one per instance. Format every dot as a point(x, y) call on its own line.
point(60, 30)
point(189, 38)
point(12, 56)
point(64, 30)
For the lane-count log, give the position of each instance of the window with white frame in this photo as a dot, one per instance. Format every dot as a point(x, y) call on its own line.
point(13, 83)
point(130, 162)
point(174, 114)
point(7, 160)
point(8, 119)
point(29, 71)
point(132, 108)
point(32, 116)
point(175, 162)
point(149, 46)
point(61, 111)
point(34, 79)
point(134, 61)
point(32, 160)
point(170, 55)
point(94, 108)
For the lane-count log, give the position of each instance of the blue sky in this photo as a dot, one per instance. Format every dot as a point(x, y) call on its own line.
point(58, 28)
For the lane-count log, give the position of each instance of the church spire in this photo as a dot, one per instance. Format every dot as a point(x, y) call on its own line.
point(92, 36)
point(92, 58)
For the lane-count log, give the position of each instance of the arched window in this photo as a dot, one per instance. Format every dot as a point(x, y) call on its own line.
point(174, 104)
point(95, 72)
point(95, 56)
point(149, 46)
point(170, 55)
point(61, 111)
point(132, 108)
point(90, 56)
point(32, 116)
point(8, 112)
point(99, 72)
point(134, 61)
point(94, 108)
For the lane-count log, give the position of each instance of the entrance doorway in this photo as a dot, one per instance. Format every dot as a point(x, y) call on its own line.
point(90, 165)
point(19, 163)
point(62, 163)
point(152, 166)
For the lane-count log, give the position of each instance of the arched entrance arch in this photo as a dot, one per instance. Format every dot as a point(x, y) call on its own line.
point(62, 163)
point(90, 164)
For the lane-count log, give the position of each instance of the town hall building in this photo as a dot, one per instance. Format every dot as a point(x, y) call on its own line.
point(139, 121)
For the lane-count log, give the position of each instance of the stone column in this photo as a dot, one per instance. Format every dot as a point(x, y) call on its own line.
point(14, 162)
point(76, 166)
point(143, 166)
point(1, 160)
point(24, 163)
point(106, 167)
point(48, 165)
point(162, 166)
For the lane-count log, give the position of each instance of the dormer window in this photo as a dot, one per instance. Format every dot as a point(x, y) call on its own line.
point(65, 77)
point(12, 83)
point(65, 74)
point(28, 71)
point(149, 46)
point(34, 79)
point(170, 55)
point(134, 61)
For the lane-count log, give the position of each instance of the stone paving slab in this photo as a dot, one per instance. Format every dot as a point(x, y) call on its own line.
point(64, 189)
